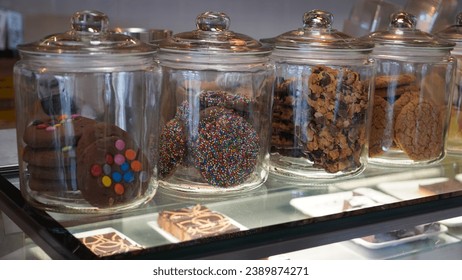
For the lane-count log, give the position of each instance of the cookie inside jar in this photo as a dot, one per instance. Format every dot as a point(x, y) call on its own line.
point(413, 94)
point(320, 121)
point(87, 131)
point(212, 144)
point(215, 111)
point(321, 101)
point(408, 118)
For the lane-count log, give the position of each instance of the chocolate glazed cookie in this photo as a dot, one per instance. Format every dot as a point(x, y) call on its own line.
point(172, 147)
point(112, 170)
point(56, 132)
point(227, 147)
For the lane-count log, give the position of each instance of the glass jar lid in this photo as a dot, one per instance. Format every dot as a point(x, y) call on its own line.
point(402, 32)
point(317, 33)
point(89, 34)
point(453, 32)
point(213, 35)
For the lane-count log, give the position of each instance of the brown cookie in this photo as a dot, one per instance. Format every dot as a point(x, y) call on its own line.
point(337, 119)
point(226, 149)
point(392, 93)
point(47, 185)
point(56, 132)
point(401, 102)
point(97, 131)
point(50, 158)
point(281, 140)
point(222, 98)
point(381, 133)
point(283, 126)
point(172, 147)
point(53, 173)
point(419, 130)
point(112, 171)
point(393, 80)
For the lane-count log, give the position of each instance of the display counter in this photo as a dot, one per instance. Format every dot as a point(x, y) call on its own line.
point(284, 218)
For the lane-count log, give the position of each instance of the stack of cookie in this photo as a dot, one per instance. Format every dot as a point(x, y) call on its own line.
point(404, 119)
point(338, 119)
point(326, 122)
point(50, 152)
point(290, 111)
point(72, 154)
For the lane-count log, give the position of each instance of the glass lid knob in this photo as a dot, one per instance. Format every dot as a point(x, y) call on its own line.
point(318, 19)
point(212, 21)
point(459, 19)
point(90, 21)
point(403, 20)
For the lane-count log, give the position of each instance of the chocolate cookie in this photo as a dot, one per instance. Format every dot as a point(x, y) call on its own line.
point(224, 99)
point(97, 131)
point(172, 147)
point(336, 132)
point(53, 173)
point(227, 148)
point(56, 132)
point(47, 185)
point(381, 134)
point(50, 158)
point(419, 130)
point(112, 171)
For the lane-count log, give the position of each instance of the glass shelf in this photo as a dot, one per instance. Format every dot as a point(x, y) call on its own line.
point(273, 225)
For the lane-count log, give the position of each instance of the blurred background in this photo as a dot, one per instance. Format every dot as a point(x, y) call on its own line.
point(25, 21)
point(257, 18)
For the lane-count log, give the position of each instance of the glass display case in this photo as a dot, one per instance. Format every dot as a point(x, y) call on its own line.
point(282, 219)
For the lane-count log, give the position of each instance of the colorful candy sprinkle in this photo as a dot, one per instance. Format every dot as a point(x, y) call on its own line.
point(95, 170)
point(119, 169)
point(119, 159)
point(119, 189)
point(130, 154)
point(120, 144)
point(106, 180)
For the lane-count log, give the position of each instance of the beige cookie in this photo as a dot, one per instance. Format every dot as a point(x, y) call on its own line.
point(381, 134)
point(401, 102)
point(393, 80)
point(419, 130)
point(394, 92)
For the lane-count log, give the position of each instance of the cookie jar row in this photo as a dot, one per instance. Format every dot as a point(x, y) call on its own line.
point(101, 123)
point(341, 103)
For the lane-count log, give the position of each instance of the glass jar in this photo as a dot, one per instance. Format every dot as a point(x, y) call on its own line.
point(215, 110)
point(87, 113)
point(454, 34)
point(413, 94)
point(321, 101)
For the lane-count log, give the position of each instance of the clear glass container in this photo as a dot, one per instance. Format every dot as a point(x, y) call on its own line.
point(413, 94)
point(453, 33)
point(215, 110)
point(87, 110)
point(321, 101)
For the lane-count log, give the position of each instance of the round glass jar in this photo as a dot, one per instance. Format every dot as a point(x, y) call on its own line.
point(321, 101)
point(454, 34)
point(413, 95)
point(215, 110)
point(86, 102)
